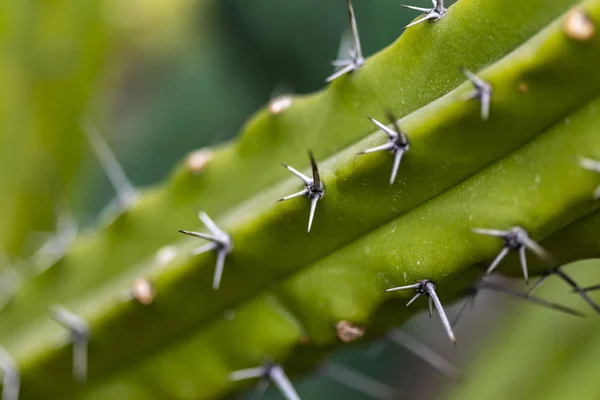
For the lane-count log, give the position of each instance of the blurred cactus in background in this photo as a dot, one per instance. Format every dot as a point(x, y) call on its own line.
point(118, 129)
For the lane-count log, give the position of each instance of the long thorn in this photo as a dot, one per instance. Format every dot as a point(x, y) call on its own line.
point(590, 288)
point(354, 27)
point(359, 382)
point(523, 259)
point(248, 373)
point(414, 286)
point(430, 301)
point(384, 147)
point(260, 389)
point(390, 133)
point(209, 223)
point(313, 207)
point(539, 251)
point(343, 71)
point(485, 107)
point(221, 254)
point(589, 164)
point(463, 306)
point(304, 178)
point(204, 248)
point(535, 300)
point(80, 336)
point(124, 190)
point(539, 283)
point(425, 353)
point(577, 288)
point(315, 169)
point(301, 193)
point(497, 260)
point(397, 159)
point(425, 18)
point(283, 383)
point(11, 379)
point(489, 232)
point(201, 235)
point(415, 297)
point(442, 313)
point(421, 9)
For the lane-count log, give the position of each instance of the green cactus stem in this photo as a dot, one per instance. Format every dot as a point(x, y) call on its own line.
point(398, 78)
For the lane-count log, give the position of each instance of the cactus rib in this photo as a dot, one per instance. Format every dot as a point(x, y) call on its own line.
point(338, 302)
point(356, 59)
point(238, 170)
point(440, 162)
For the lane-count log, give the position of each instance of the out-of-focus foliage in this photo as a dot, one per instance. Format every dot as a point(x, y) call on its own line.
point(536, 354)
point(51, 56)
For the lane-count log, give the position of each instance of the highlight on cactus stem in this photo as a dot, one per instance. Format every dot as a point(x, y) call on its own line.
point(134, 311)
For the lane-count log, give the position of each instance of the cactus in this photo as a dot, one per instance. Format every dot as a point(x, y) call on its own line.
point(139, 294)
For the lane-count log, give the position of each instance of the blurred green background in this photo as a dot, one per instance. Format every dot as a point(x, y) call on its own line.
point(161, 78)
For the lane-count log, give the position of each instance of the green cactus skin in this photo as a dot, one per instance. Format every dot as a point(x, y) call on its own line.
point(367, 234)
point(362, 271)
point(326, 122)
point(69, 280)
